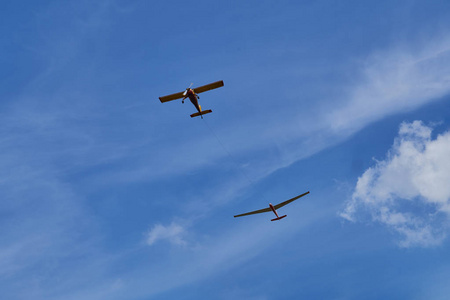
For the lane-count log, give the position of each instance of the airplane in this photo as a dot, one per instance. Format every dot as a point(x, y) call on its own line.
point(192, 95)
point(273, 208)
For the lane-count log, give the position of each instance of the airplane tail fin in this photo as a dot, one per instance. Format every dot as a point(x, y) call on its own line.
point(279, 218)
point(204, 112)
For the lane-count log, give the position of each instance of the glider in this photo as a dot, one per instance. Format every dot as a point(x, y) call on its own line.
point(192, 95)
point(273, 208)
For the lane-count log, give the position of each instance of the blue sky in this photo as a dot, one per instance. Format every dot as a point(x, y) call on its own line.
point(108, 194)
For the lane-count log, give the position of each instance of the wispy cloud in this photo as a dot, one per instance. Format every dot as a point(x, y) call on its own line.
point(408, 191)
point(172, 233)
point(396, 80)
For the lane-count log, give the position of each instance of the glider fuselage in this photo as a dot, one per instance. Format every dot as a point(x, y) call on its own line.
point(273, 208)
point(275, 212)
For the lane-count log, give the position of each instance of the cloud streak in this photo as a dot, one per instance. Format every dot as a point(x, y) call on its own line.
point(396, 81)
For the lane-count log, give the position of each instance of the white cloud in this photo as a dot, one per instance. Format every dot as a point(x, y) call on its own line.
point(409, 191)
point(172, 233)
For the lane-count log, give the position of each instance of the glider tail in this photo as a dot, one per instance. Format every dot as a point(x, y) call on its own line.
point(279, 218)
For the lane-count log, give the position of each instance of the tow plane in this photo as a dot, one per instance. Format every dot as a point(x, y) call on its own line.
point(192, 94)
point(273, 208)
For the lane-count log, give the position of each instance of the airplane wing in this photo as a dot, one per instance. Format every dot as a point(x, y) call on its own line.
point(208, 87)
point(171, 97)
point(255, 212)
point(289, 201)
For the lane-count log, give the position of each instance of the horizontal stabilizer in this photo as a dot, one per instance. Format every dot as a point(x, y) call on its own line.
point(204, 112)
point(279, 218)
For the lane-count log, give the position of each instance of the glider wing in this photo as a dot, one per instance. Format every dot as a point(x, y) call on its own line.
point(255, 212)
point(171, 97)
point(208, 87)
point(289, 201)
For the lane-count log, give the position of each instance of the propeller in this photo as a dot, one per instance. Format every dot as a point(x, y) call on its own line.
point(185, 92)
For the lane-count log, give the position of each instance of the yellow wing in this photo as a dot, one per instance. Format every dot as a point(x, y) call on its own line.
point(208, 87)
point(197, 90)
point(171, 97)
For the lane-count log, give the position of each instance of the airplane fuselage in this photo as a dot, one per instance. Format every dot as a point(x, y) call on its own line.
point(194, 99)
